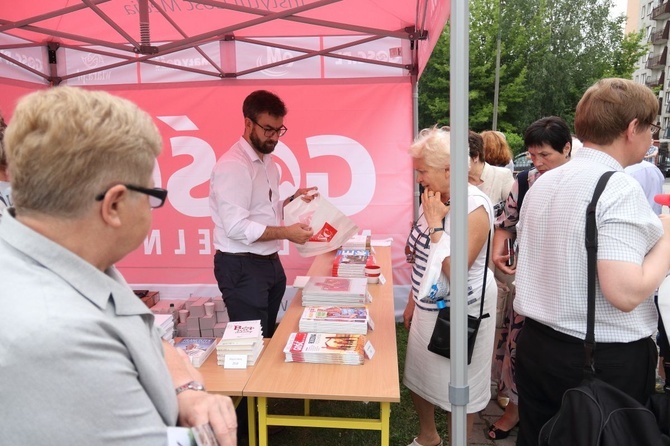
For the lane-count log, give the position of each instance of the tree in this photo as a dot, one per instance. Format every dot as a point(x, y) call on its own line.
point(551, 52)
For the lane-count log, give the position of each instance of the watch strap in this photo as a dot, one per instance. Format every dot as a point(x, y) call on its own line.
point(191, 385)
point(434, 230)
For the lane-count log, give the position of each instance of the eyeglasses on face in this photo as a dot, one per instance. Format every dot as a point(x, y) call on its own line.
point(269, 132)
point(156, 195)
point(655, 128)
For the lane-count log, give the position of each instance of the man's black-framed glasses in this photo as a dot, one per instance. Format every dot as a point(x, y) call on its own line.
point(655, 128)
point(270, 131)
point(156, 195)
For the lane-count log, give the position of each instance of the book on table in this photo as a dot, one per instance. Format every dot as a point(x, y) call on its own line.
point(334, 319)
point(325, 348)
point(241, 338)
point(347, 291)
point(197, 349)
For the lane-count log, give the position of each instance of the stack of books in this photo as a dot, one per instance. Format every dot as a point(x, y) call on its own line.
point(329, 291)
point(325, 348)
point(351, 262)
point(334, 319)
point(197, 349)
point(358, 241)
point(241, 338)
point(165, 325)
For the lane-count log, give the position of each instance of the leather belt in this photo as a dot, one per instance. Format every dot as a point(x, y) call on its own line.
point(273, 256)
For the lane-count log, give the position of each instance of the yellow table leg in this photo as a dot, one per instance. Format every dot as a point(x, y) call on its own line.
point(385, 415)
point(251, 414)
point(262, 421)
point(306, 407)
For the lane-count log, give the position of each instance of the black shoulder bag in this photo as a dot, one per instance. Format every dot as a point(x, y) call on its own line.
point(596, 413)
point(441, 337)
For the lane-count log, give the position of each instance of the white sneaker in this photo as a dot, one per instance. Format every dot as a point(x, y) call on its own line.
point(416, 443)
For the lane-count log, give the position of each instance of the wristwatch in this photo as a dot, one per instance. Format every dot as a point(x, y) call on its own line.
point(434, 230)
point(193, 385)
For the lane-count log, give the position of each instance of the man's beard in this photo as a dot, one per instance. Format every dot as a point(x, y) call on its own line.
point(264, 148)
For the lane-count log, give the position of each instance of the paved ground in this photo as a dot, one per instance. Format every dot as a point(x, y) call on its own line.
point(488, 416)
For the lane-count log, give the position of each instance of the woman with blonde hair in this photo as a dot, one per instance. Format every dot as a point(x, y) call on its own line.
point(426, 373)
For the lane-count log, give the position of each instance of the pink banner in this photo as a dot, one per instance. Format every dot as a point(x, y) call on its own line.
point(349, 140)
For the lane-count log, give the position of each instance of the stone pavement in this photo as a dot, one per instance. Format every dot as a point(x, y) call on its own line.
point(490, 414)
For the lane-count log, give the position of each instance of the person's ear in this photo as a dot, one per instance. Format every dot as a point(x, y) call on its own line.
point(567, 149)
point(632, 129)
point(112, 203)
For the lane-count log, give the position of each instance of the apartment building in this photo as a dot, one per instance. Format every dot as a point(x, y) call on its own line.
point(654, 67)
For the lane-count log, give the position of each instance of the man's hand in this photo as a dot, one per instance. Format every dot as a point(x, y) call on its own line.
point(307, 194)
point(198, 408)
point(299, 233)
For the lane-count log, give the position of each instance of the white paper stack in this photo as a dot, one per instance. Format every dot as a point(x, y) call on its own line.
point(241, 338)
point(325, 348)
point(197, 349)
point(358, 241)
point(165, 324)
point(338, 291)
point(334, 319)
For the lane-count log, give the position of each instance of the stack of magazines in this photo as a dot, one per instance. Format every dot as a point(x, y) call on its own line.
point(334, 319)
point(351, 262)
point(327, 291)
point(241, 338)
point(197, 349)
point(325, 348)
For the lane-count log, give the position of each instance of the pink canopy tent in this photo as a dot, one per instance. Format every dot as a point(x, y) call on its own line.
point(347, 70)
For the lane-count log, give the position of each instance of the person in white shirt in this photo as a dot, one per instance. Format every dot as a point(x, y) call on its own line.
point(82, 361)
point(615, 120)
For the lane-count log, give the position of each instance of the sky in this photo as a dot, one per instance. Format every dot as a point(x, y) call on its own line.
point(619, 7)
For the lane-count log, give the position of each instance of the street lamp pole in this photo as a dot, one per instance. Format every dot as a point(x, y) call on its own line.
point(496, 90)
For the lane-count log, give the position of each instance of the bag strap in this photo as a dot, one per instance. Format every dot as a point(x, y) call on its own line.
point(522, 179)
point(486, 270)
point(591, 240)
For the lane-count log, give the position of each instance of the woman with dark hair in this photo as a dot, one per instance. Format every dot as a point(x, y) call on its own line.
point(549, 144)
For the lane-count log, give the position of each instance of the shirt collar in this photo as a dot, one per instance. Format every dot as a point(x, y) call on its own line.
point(96, 286)
point(250, 152)
point(597, 156)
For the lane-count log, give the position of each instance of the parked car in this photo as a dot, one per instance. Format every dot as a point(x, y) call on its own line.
point(522, 162)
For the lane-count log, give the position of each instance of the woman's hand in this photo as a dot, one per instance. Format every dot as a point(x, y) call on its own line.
point(434, 209)
point(409, 311)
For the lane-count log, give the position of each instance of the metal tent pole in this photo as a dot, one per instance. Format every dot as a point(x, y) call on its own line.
point(459, 391)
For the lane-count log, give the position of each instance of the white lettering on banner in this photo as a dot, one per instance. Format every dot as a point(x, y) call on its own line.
point(153, 244)
point(190, 176)
point(30, 61)
point(181, 62)
point(181, 250)
point(275, 55)
point(383, 56)
point(205, 241)
point(363, 174)
point(152, 241)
